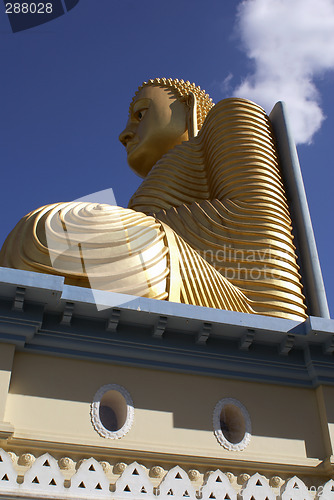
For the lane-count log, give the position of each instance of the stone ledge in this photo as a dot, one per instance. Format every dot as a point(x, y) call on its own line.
point(6, 430)
point(65, 321)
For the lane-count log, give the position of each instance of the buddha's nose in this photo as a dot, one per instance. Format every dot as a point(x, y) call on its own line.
point(126, 136)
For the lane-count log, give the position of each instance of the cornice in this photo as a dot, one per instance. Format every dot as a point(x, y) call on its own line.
point(38, 313)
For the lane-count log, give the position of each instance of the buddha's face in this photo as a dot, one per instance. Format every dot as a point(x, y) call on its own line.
point(157, 122)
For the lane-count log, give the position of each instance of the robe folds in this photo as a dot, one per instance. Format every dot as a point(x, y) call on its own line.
point(208, 226)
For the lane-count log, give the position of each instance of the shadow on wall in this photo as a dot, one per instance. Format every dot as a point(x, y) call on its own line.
point(275, 411)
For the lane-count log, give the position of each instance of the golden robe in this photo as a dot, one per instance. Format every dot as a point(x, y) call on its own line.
point(208, 226)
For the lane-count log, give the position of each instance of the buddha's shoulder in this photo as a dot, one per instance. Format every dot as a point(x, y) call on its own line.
point(234, 106)
point(234, 114)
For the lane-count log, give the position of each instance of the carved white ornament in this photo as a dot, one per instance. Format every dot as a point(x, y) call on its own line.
point(44, 478)
point(156, 471)
point(242, 414)
point(66, 463)
point(105, 466)
point(134, 484)
point(295, 488)
point(257, 487)
point(177, 484)
point(26, 459)
point(89, 481)
point(194, 475)
point(13, 457)
point(326, 492)
point(218, 486)
point(8, 475)
point(243, 478)
point(95, 412)
point(119, 468)
point(230, 476)
point(276, 481)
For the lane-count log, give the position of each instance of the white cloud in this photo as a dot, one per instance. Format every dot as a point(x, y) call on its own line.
point(291, 42)
point(225, 85)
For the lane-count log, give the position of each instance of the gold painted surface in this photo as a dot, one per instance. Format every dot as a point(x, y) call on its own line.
point(92, 245)
point(219, 230)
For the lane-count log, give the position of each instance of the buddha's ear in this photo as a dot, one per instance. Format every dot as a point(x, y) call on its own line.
point(191, 103)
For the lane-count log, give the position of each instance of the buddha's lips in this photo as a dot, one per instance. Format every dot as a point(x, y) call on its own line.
point(130, 146)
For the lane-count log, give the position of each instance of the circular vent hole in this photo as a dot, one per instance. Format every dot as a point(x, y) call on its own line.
point(113, 410)
point(232, 423)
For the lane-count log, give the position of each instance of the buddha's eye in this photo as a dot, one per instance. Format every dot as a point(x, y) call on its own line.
point(139, 115)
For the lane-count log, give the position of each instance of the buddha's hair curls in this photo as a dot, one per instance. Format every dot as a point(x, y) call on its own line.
point(182, 89)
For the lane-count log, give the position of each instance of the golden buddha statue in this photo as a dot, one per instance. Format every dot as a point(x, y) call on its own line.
point(208, 226)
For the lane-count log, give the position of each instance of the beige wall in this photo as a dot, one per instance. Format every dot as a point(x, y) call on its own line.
point(326, 406)
point(50, 398)
point(6, 361)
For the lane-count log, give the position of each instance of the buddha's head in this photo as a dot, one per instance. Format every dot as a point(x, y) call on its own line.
point(163, 113)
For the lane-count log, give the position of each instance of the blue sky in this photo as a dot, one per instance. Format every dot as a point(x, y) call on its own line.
point(66, 87)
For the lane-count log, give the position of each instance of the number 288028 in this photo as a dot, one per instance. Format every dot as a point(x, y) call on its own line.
point(29, 8)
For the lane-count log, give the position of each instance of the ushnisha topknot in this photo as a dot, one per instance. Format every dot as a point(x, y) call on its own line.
point(182, 89)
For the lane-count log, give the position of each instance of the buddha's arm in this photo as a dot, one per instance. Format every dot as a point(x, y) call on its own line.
point(120, 250)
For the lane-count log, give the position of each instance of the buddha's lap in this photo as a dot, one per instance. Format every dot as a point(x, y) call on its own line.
point(111, 248)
